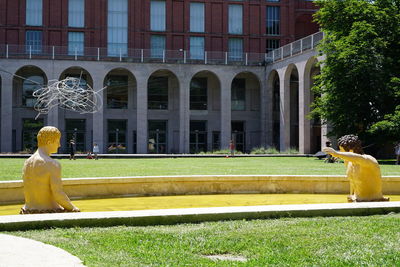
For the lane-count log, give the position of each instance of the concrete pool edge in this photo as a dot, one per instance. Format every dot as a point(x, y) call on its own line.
point(12, 191)
point(191, 215)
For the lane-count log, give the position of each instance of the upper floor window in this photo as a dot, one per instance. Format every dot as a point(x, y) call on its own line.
point(197, 17)
point(76, 13)
point(273, 20)
point(34, 12)
point(33, 42)
point(272, 44)
point(76, 43)
point(157, 46)
point(197, 47)
point(235, 47)
point(157, 15)
point(117, 32)
point(273, 0)
point(236, 19)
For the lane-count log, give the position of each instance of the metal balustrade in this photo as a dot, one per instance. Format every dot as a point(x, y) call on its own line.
point(160, 56)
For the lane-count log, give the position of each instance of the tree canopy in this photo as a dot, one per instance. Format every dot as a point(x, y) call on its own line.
point(359, 84)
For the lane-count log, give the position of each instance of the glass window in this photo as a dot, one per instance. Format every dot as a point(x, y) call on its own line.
point(31, 84)
point(76, 13)
point(198, 136)
point(30, 128)
point(272, 44)
point(157, 15)
point(273, 0)
point(273, 20)
point(197, 17)
point(157, 44)
point(197, 48)
point(238, 135)
point(33, 41)
point(34, 12)
point(76, 43)
point(157, 92)
point(116, 136)
point(235, 47)
point(238, 94)
point(198, 94)
point(117, 31)
point(75, 129)
point(157, 137)
point(117, 92)
point(235, 19)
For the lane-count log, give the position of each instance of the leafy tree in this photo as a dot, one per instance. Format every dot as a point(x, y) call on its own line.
point(359, 84)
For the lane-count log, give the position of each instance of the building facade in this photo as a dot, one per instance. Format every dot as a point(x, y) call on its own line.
point(179, 76)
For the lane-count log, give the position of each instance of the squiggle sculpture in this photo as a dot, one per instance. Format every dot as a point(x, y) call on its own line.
point(67, 94)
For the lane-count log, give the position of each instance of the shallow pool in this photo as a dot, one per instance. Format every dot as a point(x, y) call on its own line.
point(196, 201)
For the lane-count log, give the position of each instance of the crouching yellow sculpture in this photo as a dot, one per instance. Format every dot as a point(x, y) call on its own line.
point(42, 177)
point(362, 171)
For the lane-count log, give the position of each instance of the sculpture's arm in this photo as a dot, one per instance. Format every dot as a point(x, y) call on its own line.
point(56, 187)
point(347, 156)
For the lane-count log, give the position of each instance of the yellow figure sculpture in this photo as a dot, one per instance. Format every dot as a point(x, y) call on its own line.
point(42, 177)
point(362, 171)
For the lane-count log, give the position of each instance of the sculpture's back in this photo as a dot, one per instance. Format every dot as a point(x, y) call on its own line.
point(42, 177)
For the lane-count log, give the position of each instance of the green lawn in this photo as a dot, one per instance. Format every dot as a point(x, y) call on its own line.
point(11, 169)
point(332, 241)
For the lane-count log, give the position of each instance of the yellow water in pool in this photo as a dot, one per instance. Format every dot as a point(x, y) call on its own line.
point(195, 201)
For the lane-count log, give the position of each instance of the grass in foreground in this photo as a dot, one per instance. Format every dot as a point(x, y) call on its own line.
point(11, 169)
point(334, 241)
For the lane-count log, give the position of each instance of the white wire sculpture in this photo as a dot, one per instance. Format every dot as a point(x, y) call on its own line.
point(68, 94)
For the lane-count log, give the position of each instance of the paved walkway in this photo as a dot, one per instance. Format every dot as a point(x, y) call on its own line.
point(20, 252)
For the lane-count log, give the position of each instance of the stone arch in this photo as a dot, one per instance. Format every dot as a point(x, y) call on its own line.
point(274, 85)
point(26, 80)
point(78, 72)
point(205, 111)
point(246, 111)
point(311, 69)
point(163, 90)
point(22, 78)
point(120, 101)
point(292, 82)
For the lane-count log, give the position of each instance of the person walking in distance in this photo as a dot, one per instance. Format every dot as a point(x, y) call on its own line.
point(96, 151)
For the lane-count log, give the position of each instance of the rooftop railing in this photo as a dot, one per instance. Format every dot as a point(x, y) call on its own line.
point(159, 56)
point(294, 48)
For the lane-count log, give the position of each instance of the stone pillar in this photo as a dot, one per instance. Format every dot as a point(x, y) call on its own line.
point(98, 117)
point(266, 112)
point(284, 83)
point(184, 114)
point(225, 111)
point(6, 113)
point(141, 113)
point(304, 110)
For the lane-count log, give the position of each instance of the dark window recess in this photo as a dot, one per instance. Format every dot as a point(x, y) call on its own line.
point(117, 92)
point(198, 94)
point(158, 93)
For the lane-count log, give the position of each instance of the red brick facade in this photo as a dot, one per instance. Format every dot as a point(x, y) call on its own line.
point(296, 22)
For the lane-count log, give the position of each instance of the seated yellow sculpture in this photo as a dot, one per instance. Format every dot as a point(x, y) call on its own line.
point(42, 177)
point(362, 170)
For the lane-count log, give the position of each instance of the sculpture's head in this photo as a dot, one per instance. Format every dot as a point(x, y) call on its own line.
point(350, 142)
point(49, 136)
